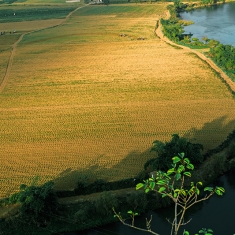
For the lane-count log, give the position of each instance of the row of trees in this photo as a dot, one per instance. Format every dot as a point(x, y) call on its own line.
point(211, 2)
point(224, 56)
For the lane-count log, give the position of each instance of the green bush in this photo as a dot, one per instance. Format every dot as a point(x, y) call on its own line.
point(38, 203)
point(231, 150)
point(137, 201)
point(105, 204)
point(165, 151)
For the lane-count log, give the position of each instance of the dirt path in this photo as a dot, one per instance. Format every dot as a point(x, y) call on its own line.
point(222, 74)
point(14, 46)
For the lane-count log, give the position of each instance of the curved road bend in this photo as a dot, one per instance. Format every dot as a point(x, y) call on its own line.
point(14, 46)
point(222, 74)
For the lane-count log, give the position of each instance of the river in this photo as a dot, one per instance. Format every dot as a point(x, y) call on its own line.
point(216, 213)
point(216, 22)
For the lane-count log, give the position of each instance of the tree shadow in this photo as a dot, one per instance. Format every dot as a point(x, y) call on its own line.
point(130, 167)
point(212, 134)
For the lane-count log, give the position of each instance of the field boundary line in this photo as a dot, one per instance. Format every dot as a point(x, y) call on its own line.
point(220, 72)
point(14, 46)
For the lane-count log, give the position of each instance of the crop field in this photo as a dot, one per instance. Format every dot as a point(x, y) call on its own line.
point(88, 98)
point(32, 2)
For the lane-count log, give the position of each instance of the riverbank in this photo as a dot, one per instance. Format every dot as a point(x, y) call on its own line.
point(222, 74)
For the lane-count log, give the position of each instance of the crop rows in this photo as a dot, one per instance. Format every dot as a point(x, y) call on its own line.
point(81, 100)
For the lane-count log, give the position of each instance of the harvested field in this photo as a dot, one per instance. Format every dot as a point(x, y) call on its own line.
point(84, 100)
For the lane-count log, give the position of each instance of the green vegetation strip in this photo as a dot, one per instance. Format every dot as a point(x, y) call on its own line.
point(18, 14)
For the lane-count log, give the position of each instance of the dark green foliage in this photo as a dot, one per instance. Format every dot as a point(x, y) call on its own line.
point(7, 1)
point(224, 56)
point(84, 212)
point(106, 2)
point(15, 14)
point(179, 6)
point(84, 187)
point(137, 201)
point(38, 203)
point(172, 148)
point(225, 144)
point(105, 204)
point(172, 29)
point(231, 150)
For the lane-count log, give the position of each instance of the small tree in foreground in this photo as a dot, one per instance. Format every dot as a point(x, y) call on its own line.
point(184, 195)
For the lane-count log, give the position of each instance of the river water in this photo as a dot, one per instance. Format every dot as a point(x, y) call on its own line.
point(217, 22)
point(216, 213)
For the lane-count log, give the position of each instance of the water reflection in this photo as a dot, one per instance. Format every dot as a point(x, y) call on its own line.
point(217, 22)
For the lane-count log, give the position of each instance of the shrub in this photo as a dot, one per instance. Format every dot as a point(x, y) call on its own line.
point(165, 151)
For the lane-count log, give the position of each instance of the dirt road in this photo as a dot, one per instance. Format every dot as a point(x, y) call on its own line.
point(14, 46)
point(222, 74)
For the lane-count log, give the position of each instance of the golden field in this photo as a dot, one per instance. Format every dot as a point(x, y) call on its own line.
point(82, 100)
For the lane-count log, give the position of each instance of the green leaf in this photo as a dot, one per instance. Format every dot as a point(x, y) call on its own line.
point(161, 182)
point(210, 189)
point(178, 176)
point(186, 160)
point(221, 189)
point(186, 233)
point(197, 191)
point(187, 173)
point(175, 195)
point(129, 212)
point(190, 166)
point(161, 189)
point(136, 213)
point(152, 185)
point(181, 155)
point(164, 195)
point(139, 186)
point(147, 190)
point(199, 183)
point(183, 192)
point(218, 192)
point(170, 171)
point(180, 168)
point(176, 159)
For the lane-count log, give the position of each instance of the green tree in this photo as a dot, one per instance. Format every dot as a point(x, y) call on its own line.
point(176, 145)
point(173, 184)
point(106, 2)
point(38, 203)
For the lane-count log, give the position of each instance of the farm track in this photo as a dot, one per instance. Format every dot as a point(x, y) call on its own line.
point(14, 46)
point(221, 73)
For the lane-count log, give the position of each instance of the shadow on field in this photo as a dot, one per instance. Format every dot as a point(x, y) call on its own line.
point(212, 133)
point(129, 167)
